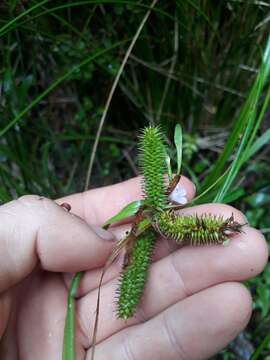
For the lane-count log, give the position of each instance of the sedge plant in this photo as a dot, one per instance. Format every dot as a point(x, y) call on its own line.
point(155, 215)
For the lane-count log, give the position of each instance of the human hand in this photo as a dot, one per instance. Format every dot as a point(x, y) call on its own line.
point(192, 307)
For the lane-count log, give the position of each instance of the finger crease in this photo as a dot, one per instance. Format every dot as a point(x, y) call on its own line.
point(128, 353)
point(177, 271)
point(173, 341)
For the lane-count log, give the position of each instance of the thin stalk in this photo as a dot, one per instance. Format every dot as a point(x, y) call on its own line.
point(69, 337)
point(261, 347)
point(112, 91)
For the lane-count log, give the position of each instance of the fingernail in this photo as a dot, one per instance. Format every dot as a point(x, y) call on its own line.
point(103, 234)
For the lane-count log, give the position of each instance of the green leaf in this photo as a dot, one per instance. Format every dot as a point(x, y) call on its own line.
point(249, 122)
point(169, 168)
point(245, 127)
point(233, 195)
point(261, 347)
point(201, 198)
point(68, 346)
point(126, 212)
point(24, 13)
point(54, 84)
point(258, 144)
point(178, 144)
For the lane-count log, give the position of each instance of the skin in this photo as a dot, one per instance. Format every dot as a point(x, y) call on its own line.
point(193, 306)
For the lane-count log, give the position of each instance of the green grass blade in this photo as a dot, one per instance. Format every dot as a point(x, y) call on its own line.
point(56, 83)
point(11, 25)
point(64, 22)
point(201, 198)
point(256, 127)
point(258, 144)
point(69, 332)
point(245, 122)
point(178, 144)
point(23, 14)
point(248, 118)
point(169, 168)
point(261, 347)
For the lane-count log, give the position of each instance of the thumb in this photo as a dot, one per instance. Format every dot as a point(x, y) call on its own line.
point(35, 230)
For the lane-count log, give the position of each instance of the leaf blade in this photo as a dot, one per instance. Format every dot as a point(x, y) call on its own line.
point(127, 211)
point(178, 141)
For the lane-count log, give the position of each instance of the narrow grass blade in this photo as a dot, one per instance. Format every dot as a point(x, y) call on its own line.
point(115, 252)
point(169, 168)
point(112, 91)
point(201, 198)
point(258, 144)
point(69, 332)
point(258, 352)
point(13, 24)
point(246, 125)
point(251, 122)
point(23, 14)
point(178, 143)
point(56, 83)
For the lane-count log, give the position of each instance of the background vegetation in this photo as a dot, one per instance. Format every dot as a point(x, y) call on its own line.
point(204, 64)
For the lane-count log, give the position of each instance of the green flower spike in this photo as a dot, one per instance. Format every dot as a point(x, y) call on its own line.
point(206, 229)
point(134, 276)
point(153, 167)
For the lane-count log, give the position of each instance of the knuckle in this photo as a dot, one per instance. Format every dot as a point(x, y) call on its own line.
point(28, 199)
point(35, 203)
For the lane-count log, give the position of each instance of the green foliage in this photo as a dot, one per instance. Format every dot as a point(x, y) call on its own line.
point(179, 145)
point(134, 276)
point(152, 162)
point(185, 230)
point(127, 211)
point(198, 70)
point(153, 165)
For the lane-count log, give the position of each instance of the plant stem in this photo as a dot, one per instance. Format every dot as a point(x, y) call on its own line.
point(69, 337)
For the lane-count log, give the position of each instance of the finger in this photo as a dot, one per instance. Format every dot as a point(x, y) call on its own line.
point(90, 279)
point(164, 247)
point(36, 230)
point(181, 274)
point(98, 205)
point(5, 304)
point(195, 328)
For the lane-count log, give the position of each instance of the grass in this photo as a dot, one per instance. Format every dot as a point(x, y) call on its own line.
point(205, 64)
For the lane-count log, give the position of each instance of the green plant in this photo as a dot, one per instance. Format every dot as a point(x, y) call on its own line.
point(134, 274)
point(198, 70)
point(155, 215)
